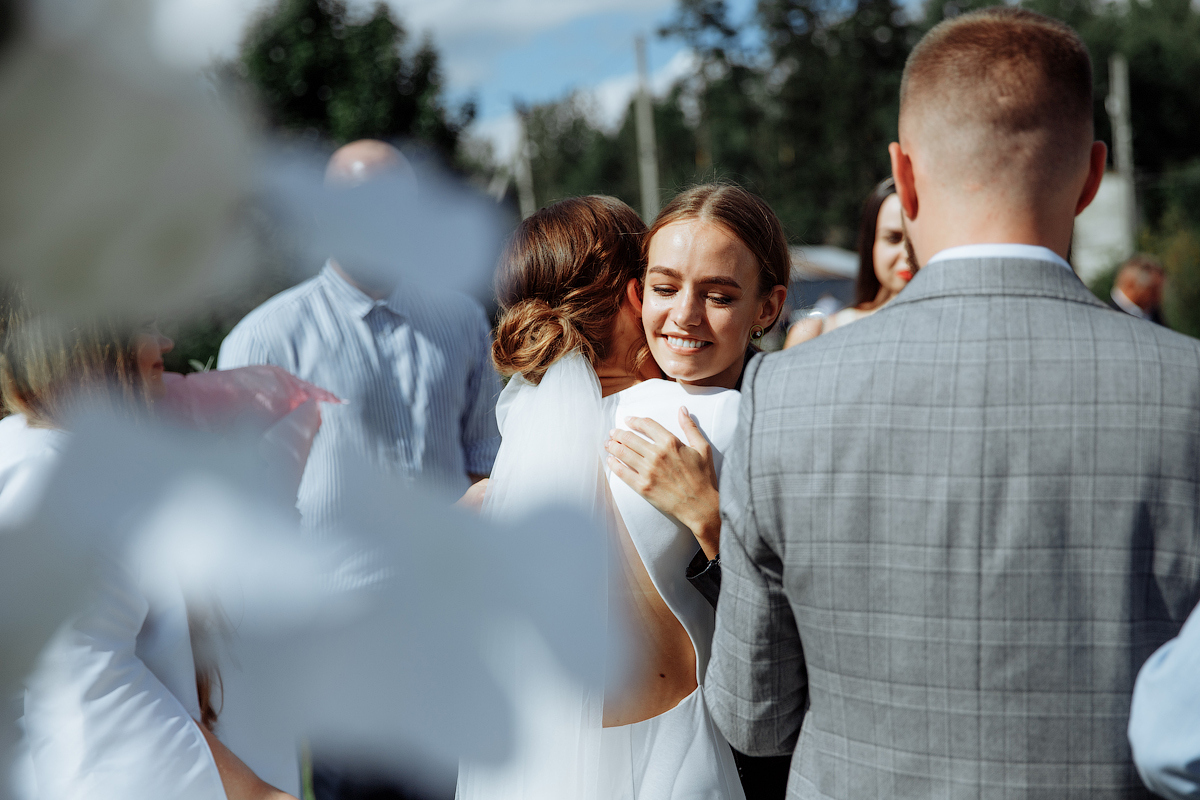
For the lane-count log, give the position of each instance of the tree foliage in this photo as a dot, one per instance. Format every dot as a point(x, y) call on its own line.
point(802, 112)
point(321, 72)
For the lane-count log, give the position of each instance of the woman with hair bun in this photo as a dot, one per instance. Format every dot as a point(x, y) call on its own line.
point(577, 309)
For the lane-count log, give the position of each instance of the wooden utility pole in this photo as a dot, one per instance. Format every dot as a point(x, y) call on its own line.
point(523, 167)
point(1117, 105)
point(647, 150)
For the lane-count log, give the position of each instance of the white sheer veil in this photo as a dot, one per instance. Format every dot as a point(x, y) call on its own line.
point(553, 435)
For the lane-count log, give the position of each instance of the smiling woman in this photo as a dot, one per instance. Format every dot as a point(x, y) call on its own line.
point(716, 279)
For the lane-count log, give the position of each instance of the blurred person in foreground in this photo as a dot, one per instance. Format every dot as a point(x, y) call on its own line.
point(1138, 288)
point(414, 367)
point(415, 370)
point(118, 708)
point(883, 266)
point(954, 531)
point(1164, 720)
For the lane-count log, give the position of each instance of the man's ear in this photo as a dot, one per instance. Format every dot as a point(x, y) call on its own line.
point(633, 293)
point(902, 175)
point(1097, 161)
point(772, 304)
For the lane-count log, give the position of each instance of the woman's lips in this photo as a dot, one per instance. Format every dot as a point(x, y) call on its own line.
point(905, 275)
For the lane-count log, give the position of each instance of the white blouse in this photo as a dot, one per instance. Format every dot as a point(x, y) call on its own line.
point(110, 707)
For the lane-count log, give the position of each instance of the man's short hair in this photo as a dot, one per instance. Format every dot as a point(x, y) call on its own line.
point(1143, 267)
point(1002, 79)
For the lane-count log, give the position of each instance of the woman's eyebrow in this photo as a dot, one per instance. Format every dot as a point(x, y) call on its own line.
point(720, 280)
point(670, 273)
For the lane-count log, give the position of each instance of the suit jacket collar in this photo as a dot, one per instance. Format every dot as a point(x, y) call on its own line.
point(996, 276)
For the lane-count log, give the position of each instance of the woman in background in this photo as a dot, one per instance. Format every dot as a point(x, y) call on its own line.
point(117, 706)
point(884, 267)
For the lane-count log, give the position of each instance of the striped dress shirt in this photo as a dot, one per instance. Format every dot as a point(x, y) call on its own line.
point(415, 368)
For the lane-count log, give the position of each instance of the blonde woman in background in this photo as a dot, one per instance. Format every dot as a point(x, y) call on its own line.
point(117, 706)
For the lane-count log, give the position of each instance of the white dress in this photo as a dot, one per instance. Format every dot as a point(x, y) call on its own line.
point(553, 452)
point(680, 753)
point(109, 708)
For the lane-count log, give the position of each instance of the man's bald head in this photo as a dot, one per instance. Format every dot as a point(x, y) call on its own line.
point(358, 162)
point(999, 95)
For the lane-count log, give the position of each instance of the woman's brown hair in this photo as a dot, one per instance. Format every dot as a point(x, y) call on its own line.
point(561, 282)
point(746, 216)
point(46, 366)
point(866, 289)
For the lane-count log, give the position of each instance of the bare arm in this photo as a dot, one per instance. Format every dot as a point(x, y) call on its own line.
point(676, 478)
point(803, 330)
point(239, 781)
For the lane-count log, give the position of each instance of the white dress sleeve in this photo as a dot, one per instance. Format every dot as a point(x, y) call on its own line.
point(100, 723)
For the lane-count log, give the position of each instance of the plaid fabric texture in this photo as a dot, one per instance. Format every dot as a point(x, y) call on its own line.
point(953, 531)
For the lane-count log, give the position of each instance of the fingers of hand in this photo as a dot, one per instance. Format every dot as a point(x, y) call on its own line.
point(691, 430)
point(632, 441)
point(653, 431)
point(618, 449)
point(630, 476)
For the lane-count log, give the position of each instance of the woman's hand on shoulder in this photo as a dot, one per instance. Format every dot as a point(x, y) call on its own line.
point(676, 478)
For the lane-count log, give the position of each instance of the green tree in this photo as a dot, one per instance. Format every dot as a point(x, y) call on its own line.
point(320, 72)
point(571, 155)
point(802, 111)
point(805, 117)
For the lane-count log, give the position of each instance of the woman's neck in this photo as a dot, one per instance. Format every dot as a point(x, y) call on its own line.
point(616, 376)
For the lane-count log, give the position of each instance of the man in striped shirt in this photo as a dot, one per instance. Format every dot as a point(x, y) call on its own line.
point(415, 367)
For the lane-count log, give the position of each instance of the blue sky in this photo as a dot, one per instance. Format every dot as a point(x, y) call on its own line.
point(493, 50)
point(537, 50)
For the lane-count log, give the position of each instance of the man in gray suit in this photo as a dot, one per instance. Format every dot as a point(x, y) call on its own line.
point(955, 529)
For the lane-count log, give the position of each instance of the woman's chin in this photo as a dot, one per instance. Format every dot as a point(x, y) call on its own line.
point(155, 386)
point(685, 372)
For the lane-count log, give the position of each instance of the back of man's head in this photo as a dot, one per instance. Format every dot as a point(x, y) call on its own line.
point(999, 98)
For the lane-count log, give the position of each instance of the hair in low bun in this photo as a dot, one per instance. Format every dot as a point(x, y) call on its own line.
point(532, 335)
point(561, 282)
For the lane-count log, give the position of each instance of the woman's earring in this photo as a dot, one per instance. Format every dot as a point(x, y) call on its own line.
point(757, 332)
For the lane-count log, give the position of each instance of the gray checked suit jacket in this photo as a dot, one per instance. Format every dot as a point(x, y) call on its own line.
point(953, 531)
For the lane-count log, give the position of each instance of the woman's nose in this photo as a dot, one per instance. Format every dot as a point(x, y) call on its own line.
point(165, 343)
point(687, 311)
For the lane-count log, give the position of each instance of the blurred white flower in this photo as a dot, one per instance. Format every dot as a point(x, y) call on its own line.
point(123, 179)
point(370, 642)
point(418, 225)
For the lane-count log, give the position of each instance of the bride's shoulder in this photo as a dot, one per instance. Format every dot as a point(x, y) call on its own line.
point(642, 399)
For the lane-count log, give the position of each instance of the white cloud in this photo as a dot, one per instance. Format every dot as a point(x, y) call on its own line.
point(503, 132)
point(612, 96)
point(610, 100)
point(192, 32)
point(448, 18)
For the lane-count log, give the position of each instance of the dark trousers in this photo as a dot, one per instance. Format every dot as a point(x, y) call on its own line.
point(333, 781)
point(763, 777)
